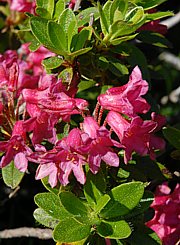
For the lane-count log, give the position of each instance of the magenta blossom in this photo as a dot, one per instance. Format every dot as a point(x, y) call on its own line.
point(166, 221)
point(16, 148)
point(98, 145)
point(135, 135)
point(127, 98)
point(23, 5)
point(60, 162)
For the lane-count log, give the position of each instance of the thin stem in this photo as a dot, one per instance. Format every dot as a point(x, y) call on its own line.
point(100, 115)
point(96, 111)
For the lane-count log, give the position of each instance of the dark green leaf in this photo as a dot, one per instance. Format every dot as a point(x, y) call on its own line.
point(73, 204)
point(44, 218)
point(172, 135)
point(11, 175)
point(51, 204)
point(114, 229)
point(103, 20)
point(117, 68)
point(94, 188)
point(52, 62)
point(79, 40)
point(70, 230)
point(34, 45)
point(154, 38)
point(84, 16)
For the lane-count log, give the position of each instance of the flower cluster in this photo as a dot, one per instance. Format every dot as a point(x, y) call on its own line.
point(166, 221)
point(34, 103)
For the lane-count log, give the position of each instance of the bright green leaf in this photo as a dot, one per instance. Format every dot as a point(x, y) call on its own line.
point(146, 4)
point(84, 16)
point(80, 52)
point(118, 41)
point(59, 8)
point(101, 203)
point(114, 229)
point(70, 230)
point(51, 204)
point(44, 218)
point(52, 62)
point(118, 10)
point(68, 22)
point(124, 198)
point(48, 187)
point(11, 175)
point(172, 135)
point(47, 5)
point(135, 15)
point(43, 13)
point(103, 20)
point(57, 37)
point(158, 15)
point(83, 85)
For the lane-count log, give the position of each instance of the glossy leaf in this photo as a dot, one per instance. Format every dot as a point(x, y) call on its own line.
point(51, 204)
point(172, 135)
point(44, 218)
point(84, 16)
point(68, 22)
point(11, 175)
point(114, 229)
point(70, 230)
point(52, 62)
point(73, 204)
point(124, 198)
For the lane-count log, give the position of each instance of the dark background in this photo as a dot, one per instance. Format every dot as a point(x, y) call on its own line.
point(17, 211)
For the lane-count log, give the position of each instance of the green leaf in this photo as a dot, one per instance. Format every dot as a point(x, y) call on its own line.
point(103, 18)
point(43, 13)
point(68, 22)
point(73, 204)
point(124, 198)
point(144, 236)
point(158, 15)
point(173, 136)
point(44, 218)
point(118, 41)
point(52, 62)
point(51, 204)
point(58, 37)
point(70, 230)
point(39, 28)
point(84, 16)
point(79, 40)
point(47, 5)
point(116, 67)
point(48, 187)
point(114, 229)
point(59, 8)
point(94, 188)
point(154, 38)
point(11, 175)
point(83, 85)
point(66, 75)
point(80, 52)
point(146, 4)
point(34, 45)
point(118, 10)
point(101, 203)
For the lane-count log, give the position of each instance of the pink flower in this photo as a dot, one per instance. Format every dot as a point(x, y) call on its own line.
point(98, 145)
point(16, 148)
point(127, 98)
point(166, 221)
point(23, 5)
point(135, 135)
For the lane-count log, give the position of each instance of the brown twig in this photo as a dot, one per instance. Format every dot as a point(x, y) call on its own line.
point(43, 234)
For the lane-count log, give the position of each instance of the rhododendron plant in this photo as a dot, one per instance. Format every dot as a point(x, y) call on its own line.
point(76, 113)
